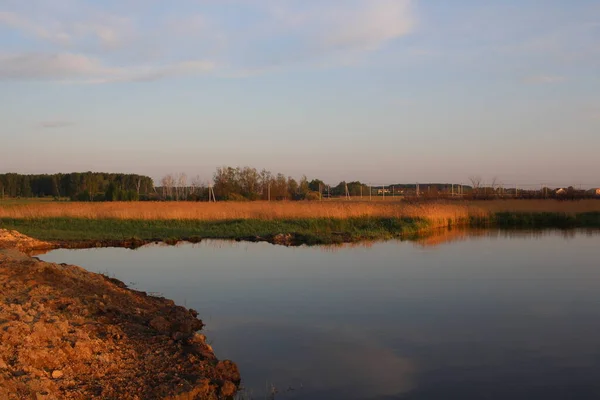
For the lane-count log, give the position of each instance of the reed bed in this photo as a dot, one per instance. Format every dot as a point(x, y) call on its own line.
point(238, 210)
point(262, 210)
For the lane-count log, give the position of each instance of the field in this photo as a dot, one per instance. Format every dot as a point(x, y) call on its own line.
point(339, 209)
point(328, 221)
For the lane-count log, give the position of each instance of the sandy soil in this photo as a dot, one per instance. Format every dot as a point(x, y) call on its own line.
point(66, 333)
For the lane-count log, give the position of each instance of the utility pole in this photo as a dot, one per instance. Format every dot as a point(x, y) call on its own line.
point(383, 192)
point(347, 192)
point(269, 191)
point(211, 195)
point(370, 192)
point(418, 189)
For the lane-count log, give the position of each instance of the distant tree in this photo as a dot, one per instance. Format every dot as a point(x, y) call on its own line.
point(304, 187)
point(250, 183)
point(112, 192)
point(316, 185)
point(292, 187)
point(167, 183)
point(475, 183)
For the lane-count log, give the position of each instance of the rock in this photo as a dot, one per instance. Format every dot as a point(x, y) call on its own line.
point(229, 370)
point(285, 239)
point(57, 374)
point(160, 324)
point(228, 389)
point(198, 338)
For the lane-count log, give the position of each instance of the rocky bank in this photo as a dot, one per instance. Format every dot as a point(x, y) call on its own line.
point(66, 333)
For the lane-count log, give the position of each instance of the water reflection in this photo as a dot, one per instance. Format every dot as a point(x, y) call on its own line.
point(467, 315)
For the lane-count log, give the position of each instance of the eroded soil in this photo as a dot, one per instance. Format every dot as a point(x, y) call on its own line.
point(66, 333)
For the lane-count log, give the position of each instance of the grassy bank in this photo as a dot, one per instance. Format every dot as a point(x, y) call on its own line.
point(308, 230)
point(307, 222)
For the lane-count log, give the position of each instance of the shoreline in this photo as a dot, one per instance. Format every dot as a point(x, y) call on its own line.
point(68, 333)
point(78, 233)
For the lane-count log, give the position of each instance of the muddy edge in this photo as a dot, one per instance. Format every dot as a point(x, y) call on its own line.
point(66, 333)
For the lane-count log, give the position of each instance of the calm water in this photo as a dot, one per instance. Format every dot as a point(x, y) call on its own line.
point(490, 316)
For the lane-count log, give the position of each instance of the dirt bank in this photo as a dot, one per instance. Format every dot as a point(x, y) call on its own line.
point(15, 240)
point(66, 333)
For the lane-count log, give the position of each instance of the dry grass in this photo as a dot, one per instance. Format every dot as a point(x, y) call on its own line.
point(235, 210)
point(287, 210)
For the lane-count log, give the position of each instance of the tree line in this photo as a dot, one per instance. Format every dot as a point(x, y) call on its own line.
point(228, 183)
point(84, 186)
point(240, 184)
point(247, 184)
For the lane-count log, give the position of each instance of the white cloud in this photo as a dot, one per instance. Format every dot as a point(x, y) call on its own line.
point(108, 31)
point(51, 33)
point(40, 66)
point(372, 24)
point(337, 27)
point(86, 43)
point(73, 68)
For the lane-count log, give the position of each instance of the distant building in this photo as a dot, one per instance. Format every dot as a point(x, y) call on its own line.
point(561, 191)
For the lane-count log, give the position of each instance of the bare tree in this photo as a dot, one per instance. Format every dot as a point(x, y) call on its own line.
point(167, 183)
point(181, 187)
point(475, 183)
point(196, 184)
point(495, 185)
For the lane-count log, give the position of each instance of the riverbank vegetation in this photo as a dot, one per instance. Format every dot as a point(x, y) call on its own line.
point(303, 222)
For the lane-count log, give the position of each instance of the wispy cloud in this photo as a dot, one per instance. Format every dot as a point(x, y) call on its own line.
point(78, 68)
point(106, 31)
point(30, 27)
point(86, 43)
point(364, 24)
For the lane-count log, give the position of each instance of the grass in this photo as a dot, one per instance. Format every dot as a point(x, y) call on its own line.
point(262, 210)
point(310, 222)
point(310, 231)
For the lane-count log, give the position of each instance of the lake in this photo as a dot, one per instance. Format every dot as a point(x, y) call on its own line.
point(481, 315)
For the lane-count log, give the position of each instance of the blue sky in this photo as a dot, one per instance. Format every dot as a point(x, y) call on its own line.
point(378, 90)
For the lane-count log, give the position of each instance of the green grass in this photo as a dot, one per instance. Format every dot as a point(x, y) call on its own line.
point(309, 231)
point(10, 201)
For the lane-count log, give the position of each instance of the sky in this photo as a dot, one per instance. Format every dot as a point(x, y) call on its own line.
point(383, 91)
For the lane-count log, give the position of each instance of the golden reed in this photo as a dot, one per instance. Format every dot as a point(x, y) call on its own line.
point(433, 211)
